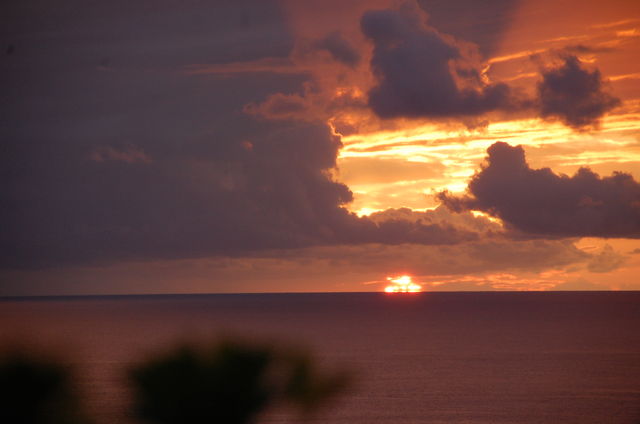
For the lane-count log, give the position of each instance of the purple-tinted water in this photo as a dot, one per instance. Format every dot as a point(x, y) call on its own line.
point(420, 358)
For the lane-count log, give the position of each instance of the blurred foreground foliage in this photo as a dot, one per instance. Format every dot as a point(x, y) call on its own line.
point(37, 390)
point(232, 382)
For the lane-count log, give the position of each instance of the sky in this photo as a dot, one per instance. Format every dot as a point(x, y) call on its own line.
point(308, 146)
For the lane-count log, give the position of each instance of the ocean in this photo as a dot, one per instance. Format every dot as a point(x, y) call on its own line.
point(455, 358)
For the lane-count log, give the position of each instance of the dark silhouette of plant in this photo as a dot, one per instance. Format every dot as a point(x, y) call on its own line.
point(230, 383)
point(36, 391)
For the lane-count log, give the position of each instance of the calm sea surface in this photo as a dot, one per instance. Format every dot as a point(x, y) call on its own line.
point(419, 358)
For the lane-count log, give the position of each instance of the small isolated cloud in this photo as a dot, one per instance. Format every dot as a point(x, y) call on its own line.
point(538, 201)
point(423, 73)
point(605, 261)
point(574, 95)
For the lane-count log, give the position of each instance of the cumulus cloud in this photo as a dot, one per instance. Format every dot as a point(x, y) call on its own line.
point(423, 73)
point(538, 201)
point(574, 95)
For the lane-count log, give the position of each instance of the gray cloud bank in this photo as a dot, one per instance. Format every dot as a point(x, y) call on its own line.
point(538, 201)
point(423, 73)
point(413, 65)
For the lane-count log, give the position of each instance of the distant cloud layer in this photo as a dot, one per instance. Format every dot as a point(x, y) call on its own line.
point(538, 201)
point(574, 95)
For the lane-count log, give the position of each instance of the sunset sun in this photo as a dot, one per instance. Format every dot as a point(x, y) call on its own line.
point(402, 284)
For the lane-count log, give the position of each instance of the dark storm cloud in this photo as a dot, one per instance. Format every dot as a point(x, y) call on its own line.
point(538, 201)
point(574, 95)
point(131, 158)
point(339, 48)
point(423, 73)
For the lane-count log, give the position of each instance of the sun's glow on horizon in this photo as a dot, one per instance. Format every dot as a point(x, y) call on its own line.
point(402, 284)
